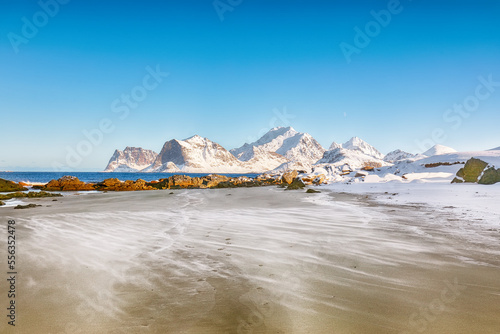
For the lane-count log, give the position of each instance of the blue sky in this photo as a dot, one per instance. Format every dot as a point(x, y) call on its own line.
point(229, 79)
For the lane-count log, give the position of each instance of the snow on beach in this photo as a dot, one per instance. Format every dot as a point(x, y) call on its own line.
point(256, 260)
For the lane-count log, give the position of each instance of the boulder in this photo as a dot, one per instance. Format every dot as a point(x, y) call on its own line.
point(28, 206)
point(313, 179)
point(490, 176)
point(312, 191)
point(8, 186)
point(289, 176)
point(68, 183)
point(211, 181)
point(296, 184)
point(477, 171)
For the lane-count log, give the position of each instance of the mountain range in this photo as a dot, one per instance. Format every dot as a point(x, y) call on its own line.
point(279, 149)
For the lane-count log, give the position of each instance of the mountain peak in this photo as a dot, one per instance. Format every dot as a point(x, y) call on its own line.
point(131, 159)
point(356, 143)
point(283, 128)
point(286, 142)
point(438, 149)
point(195, 137)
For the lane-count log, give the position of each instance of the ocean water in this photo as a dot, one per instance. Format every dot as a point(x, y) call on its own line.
point(44, 177)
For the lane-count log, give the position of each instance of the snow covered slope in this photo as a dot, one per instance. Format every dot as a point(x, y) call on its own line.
point(398, 155)
point(436, 169)
point(259, 159)
point(355, 158)
point(438, 150)
point(131, 159)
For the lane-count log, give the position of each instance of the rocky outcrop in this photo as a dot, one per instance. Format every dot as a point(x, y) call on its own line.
point(71, 183)
point(67, 183)
point(477, 171)
point(8, 186)
point(117, 185)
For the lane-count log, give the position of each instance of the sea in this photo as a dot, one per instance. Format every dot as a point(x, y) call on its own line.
point(44, 177)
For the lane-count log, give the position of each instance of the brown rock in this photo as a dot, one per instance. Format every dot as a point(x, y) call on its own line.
point(289, 176)
point(68, 183)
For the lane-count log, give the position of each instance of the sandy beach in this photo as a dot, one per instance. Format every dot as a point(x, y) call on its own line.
point(258, 260)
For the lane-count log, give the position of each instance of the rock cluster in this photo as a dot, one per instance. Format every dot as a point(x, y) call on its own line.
point(67, 183)
point(71, 183)
point(477, 171)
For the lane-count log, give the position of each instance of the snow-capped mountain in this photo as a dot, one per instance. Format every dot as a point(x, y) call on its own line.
point(334, 145)
point(355, 153)
point(495, 149)
point(260, 159)
point(358, 143)
point(131, 159)
point(285, 141)
point(196, 155)
point(398, 155)
point(438, 150)
point(355, 158)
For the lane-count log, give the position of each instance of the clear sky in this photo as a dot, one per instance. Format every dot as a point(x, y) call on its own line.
point(388, 73)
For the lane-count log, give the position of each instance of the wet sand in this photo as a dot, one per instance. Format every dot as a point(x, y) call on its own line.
point(258, 260)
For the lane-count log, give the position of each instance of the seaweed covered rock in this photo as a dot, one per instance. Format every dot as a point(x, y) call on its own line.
point(477, 171)
point(8, 186)
point(312, 191)
point(296, 184)
point(31, 194)
point(28, 206)
point(490, 176)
